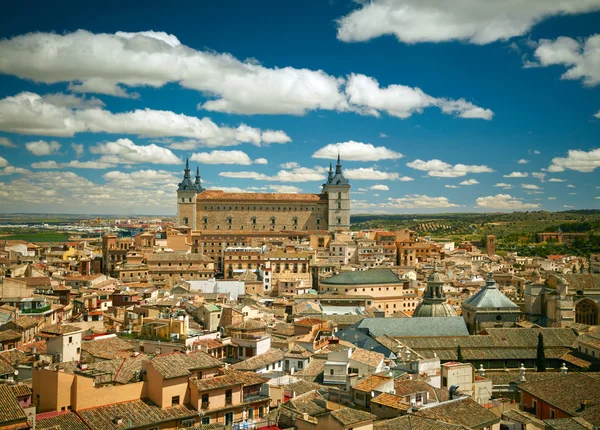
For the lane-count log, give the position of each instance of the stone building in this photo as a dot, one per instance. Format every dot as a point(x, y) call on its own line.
point(489, 308)
point(434, 301)
point(211, 210)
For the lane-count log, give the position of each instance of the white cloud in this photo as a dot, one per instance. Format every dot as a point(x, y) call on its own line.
point(503, 185)
point(115, 64)
point(402, 101)
point(503, 201)
point(556, 180)
point(285, 189)
point(379, 187)
point(442, 169)
point(275, 136)
point(3, 162)
point(29, 113)
point(581, 58)
point(41, 147)
point(571, 186)
point(222, 157)
point(77, 148)
point(597, 114)
point(568, 206)
point(517, 175)
point(261, 161)
point(124, 151)
point(10, 170)
point(289, 165)
point(72, 101)
point(534, 152)
point(7, 143)
point(356, 151)
point(551, 198)
point(297, 174)
point(383, 135)
point(572, 194)
point(469, 182)
point(530, 187)
point(411, 201)
point(581, 161)
point(76, 164)
point(371, 174)
point(523, 161)
point(539, 175)
point(475, 21)
point(451, 186)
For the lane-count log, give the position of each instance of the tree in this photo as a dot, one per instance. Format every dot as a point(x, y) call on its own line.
point(540, 361)
point(459, 356)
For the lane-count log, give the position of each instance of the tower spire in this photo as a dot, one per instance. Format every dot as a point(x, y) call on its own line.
point(197, 182)
point(187, 168)
point(338, 166)
point(330, 177)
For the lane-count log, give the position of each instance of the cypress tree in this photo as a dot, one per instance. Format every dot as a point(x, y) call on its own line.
point(540, 361)
point(459, 356)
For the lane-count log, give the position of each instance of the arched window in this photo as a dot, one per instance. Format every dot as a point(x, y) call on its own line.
point(295, 220)
point(339, 205)
point(273, 220)
point(229, 220)
point(586, 312)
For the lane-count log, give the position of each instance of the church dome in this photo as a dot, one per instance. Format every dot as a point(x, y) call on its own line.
point(429, 309)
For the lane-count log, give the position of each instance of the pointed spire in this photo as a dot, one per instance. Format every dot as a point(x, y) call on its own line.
point(187, 168)
point(338, 166)
point(330, 177)
point(197, 182)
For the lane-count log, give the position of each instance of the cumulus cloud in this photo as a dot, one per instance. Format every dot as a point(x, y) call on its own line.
point(556, 180)
point(571, 186)
point(539, 175)
point(371, 174)
point(379, 187)
point(581, 161)
point(475, 21)
point(116, 63)
point(503, 185)
point(7, 143)
point(77, 148)
point(451, 186)
point(581, 58)
point(356, 151)
point(411, 201)
point(72, 100)
point(124, 151)
point(442, 169)
point(551, 198)
point(523, 161)
point(530, 187)
point(296, 174)
point(41, 147)
point(285, 189)
point(517, 175)
point(222, 157)
point(469, 182)
point(261, 161)
point(597, 114)
point(51, 164)
point(503, 201)
point(402, 101)
point(29, 113)
point(3, 162)
point(289, 165)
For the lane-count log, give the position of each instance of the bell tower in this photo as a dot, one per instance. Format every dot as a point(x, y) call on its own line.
point(337, 189)
point(186, 198)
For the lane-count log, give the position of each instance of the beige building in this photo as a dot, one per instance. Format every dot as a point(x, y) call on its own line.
point(179, 266)
point(210, 210)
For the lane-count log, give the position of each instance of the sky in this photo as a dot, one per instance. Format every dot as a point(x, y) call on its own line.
point(434, 106)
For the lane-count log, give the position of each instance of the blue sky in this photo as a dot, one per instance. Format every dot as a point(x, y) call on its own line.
point(465, 108)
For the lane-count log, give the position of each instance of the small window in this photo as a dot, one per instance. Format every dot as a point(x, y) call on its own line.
point(175, 401)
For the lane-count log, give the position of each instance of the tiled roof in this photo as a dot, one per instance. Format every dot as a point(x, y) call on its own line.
point(371, 383)
point(522, 417)
point(464, 411)
point(217, 195)
point(414, 422)
point(106, 349)
point(59, 329)
point(178, 256)
point(273, 355)
point(26, 322)
point(583, 281)
point(313, 370)
point(311, 403)
point(21, 390)
point(364, 277)
point(221, 381)
point(246, 378)
point(391, 401)
point(369, 358)
point(59, 421)
point(298, 351)
point(179, 364)
point(572, 423)
point(9, 335)
point(300, 387)
point(10, 410)
point(434, 327)
point(489, 297)
point(568, 392)
point(349, 416)
point(139, 413)
point(247, 324)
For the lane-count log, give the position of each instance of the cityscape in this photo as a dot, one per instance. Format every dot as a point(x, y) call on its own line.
point(347, 215)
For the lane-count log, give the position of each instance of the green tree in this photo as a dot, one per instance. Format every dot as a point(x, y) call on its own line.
point(459, 356)
point(540, 361)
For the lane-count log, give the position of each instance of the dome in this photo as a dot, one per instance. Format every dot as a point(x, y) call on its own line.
point(435, 278)
point(428, 309)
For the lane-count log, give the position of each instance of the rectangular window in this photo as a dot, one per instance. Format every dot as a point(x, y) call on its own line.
point(228, 397)
point(175, 401)
point(261, 412)
point(229, 418)
point(188, 423)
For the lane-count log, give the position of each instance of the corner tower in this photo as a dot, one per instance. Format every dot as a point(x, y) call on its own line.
point(337, 189)
point(186, 198)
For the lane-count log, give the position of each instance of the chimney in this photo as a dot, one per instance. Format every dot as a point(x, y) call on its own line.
point(564, 369)
point(522, 373)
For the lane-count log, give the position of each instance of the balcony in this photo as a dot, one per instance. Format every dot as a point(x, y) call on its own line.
point(36, 310)
point(255, 397)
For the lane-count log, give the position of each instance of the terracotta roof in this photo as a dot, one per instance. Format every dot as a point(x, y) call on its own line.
point(583, 281)
point(257, 362)
point(9, 335)
point(298, 351)
point(26, 322)
point(300, 387)
point(59, 421)
point(217, 195)
point(370, 383)
point(21, 390)
point(349, 416)
point(59, 329)
point(311, 403)
point(247, 324)
point(464, 411)
point(391, 401)
point(369, 358)
point(179, 364)
point(139, 413)
point(414, 422)
point(230, 378)
point(571, 423)
point(107, 348)
point(177, 256)
point(10, 410)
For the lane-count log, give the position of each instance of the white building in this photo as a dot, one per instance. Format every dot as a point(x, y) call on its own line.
point(64, 342)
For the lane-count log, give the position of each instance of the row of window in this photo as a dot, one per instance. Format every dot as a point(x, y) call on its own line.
point(263, 208)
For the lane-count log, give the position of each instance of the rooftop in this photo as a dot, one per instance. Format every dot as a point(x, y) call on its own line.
point(464, 411)
point(350, 416)
point(364, 277)
point(218, 195)
point(178, 364)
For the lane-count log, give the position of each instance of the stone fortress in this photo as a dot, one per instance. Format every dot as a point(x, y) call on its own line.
point(209, 210)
